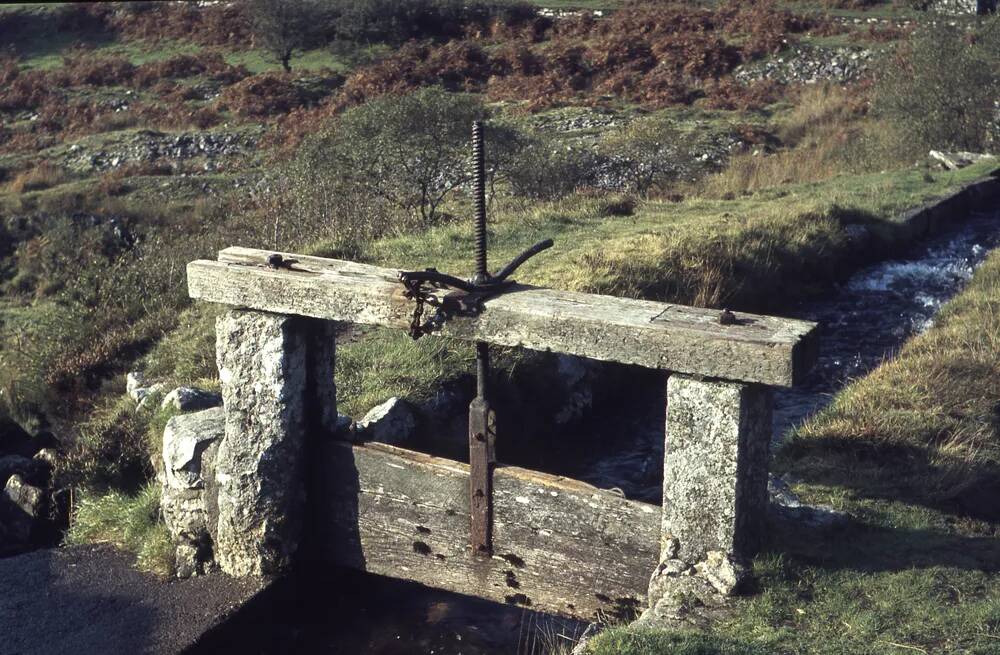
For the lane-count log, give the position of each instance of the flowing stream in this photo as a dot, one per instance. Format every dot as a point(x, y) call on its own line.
point(863, 323)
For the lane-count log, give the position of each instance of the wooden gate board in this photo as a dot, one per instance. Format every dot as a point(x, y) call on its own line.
point(561, 545)
point(758, 349)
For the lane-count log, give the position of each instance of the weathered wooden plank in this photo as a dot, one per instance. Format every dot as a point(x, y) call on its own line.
point(560, 545)
point(761, 349)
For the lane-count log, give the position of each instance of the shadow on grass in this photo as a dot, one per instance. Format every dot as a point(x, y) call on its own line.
point(866, 548)
point(897, 472)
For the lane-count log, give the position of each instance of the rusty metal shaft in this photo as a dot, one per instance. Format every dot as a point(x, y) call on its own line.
point(482, 274)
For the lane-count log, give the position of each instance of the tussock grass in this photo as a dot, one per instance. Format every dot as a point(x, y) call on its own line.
point(128, 522)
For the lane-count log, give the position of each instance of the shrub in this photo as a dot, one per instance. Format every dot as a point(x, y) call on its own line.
point(401, 156)
point(939, 92)
point(545, 168)
point(645, 153)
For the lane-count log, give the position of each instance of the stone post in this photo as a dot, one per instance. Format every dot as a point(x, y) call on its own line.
point(714, 490)
point(274, 372)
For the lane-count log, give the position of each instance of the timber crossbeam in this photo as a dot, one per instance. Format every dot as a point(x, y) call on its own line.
point(756, 349)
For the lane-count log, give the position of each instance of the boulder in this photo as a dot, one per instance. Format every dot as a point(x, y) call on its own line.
point(190, 446)
point(392, 422)
point(190, 399)
point(22, 509)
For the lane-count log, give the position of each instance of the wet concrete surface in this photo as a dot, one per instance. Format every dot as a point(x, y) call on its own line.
point(85, 600)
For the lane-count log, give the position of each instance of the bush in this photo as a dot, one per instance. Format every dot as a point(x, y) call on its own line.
point(645, 153)
point(939, 92)
point(386, 165)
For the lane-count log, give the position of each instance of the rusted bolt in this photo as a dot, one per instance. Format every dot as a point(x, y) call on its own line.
point(727, 318)
point(480, 436)
point(275, 260)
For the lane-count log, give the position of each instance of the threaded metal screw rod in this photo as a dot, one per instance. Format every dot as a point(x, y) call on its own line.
point(479, 180)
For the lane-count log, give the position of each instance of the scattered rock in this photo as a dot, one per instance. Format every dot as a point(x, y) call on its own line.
point(189, 399)
point(48, 456)
point(392, 422)
point(953, 161)
point(722, 572)
point(806, 64)
point(591, 631)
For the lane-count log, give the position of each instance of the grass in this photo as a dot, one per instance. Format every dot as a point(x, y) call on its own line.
point(916, 570)
point(752, 252)
point(128, 522)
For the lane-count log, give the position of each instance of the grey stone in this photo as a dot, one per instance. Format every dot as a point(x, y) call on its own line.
point(263, 369)
point(147, 396)
point(392, 422)
point(185, 439)
point(715, 467)
point(49, 457)
point(190, 447)
point(30, 499)
point(22, 507)
point(134, 380)
point(725, 574)
point(187, 561)
point(189, 399)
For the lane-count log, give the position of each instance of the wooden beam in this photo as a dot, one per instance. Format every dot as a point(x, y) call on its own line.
point(560, 545)
point(761, 349)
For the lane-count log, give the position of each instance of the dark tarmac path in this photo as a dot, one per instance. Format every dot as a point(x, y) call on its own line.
point(88, 600)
